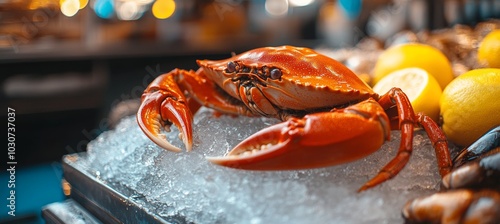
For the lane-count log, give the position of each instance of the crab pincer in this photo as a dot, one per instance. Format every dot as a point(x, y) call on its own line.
point(163, 104)
point(300, 143)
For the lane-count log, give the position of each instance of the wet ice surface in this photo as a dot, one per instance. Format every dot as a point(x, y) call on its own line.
point(70, 212)
point(187, 187)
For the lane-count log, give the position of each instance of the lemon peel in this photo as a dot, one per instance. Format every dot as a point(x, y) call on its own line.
point(488, 53)
point(414, 55)
point(470, 106)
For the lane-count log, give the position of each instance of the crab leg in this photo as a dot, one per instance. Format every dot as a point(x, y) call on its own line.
point(407, 121)
point(164, 103)
point(316, 140)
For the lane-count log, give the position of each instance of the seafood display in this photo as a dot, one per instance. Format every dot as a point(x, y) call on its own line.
point(471, 192)
point(330, 115)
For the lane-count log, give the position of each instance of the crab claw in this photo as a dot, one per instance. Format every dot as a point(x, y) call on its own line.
point(249, 154)
point(159, 109)
point(317, 140)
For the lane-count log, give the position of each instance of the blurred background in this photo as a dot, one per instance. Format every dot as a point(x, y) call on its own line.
point(71, 68)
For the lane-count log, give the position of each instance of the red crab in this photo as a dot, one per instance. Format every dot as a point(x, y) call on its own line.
point(329, 115)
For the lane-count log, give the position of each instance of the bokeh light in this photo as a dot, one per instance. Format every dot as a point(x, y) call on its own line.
point(104, 8)
point(300, 3)
point(163, 9)
point(83, 3)
point(70, 7)
point(276, 8)
point(352, 8)
point(128, 10)
point(36, 4)
point(143, 2)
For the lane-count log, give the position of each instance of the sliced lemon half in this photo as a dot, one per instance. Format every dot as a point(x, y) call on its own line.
point(422, 89)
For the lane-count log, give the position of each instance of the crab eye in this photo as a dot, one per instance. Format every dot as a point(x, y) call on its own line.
point(275, 73)
point(231, 66)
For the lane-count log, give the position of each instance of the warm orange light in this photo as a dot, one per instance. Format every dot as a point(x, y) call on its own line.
point(36, 4)
point(163, 9)
point(83, 3)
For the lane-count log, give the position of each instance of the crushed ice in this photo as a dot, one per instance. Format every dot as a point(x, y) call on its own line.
point(186, 185)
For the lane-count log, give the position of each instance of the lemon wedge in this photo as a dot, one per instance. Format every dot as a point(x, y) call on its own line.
point(422, 89)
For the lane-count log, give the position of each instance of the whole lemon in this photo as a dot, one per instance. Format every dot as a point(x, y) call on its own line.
point(470, 105)
point(414, 55)
point(488, 53)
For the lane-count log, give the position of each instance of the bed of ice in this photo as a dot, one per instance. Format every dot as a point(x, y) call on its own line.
point(69, 212)
point(173, 185)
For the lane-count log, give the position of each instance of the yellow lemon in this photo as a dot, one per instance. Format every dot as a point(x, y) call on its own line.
point(414, 55)
point(470, 105)
point(488, 53)
point(422, 89)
